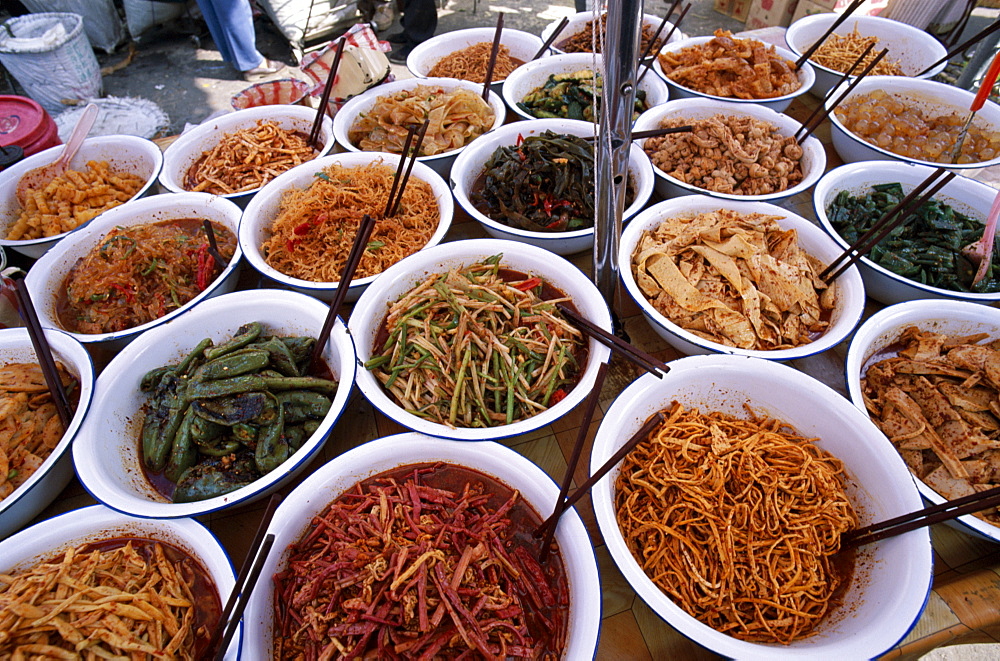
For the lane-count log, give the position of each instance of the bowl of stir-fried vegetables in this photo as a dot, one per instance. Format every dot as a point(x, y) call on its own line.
point(923, 258)
point(568, 87)
point(532, 182)
point(465, 341)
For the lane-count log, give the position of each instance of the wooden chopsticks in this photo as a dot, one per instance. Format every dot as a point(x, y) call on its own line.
point(844, 78)
point(44, 353)
point(648, 64)
point(891, 219)
point(325, 98)
point(634, 354)
point(825, 111)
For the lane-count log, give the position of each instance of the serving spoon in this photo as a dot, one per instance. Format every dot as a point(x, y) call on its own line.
point(38, 177)
point(981, 252)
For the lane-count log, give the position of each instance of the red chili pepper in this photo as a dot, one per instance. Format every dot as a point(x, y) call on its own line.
point(530, 283)
point(302, 229)
point(203, 274)
point(125, 291)
point(558, 396)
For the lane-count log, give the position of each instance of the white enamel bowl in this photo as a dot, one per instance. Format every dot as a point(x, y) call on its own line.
point(813, 154)
point(372, 307)
point(892, 578)
point(965, 195)
point(882, 330)
point(51, 538)
point(806, 75)
point(913, 48)
point(124, 153)
point(932, 97)
point(46, 277)
point(106, 453)
point(363, 103)
point(263, 209)
point(577, 22)
point(850, 297)
point(188, 148)
point(472, 161)
point(425, 56)
point(45, 484)
point(532, 75)
point(293, 516)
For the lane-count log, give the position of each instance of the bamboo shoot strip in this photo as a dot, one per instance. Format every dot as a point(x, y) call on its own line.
point(478, 346)
point(819, 42)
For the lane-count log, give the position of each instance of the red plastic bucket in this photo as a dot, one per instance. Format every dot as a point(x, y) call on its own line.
point(25, 123)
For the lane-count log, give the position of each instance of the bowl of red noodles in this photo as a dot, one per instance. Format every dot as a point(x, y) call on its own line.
point(136, 267)
point(575, 605)
point(783, 589)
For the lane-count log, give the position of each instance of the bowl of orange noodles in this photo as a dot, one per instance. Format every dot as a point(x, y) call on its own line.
point(578, 36)
point(754, 437)
point(136, 267)
point(298, 231)
point(176, 569)
point(36, 449)
point(379, 119)
point(464, 54)
point(236, 154)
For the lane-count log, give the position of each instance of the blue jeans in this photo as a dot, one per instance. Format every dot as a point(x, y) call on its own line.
point(231, 25)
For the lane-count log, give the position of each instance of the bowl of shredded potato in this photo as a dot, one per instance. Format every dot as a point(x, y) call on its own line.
point(379, 119)
point(106, 172)
point(563, 86)
point(299, 230)
point(135, 268)
point(679, 257)
point(236, 154)
point(34, 445)
point(911, 50)
point(464, 54)
point(107, 585)
point(732, 69)
point(735, 152)
point(922, 370)
point(748, 476)
point(578, 35)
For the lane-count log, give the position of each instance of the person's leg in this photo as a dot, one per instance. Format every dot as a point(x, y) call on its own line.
point(231, 24)
point(419, 21)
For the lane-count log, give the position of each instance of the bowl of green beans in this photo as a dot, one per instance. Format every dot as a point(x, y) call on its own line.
point(217, 408)
point(922, 258)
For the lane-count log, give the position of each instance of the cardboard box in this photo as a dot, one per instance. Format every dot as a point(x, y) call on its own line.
point(809, 7)
point(770, 13)
point(738, 9)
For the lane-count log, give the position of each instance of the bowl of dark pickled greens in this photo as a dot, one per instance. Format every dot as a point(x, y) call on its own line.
point(568, 86)
point(922, 258)
point(534, 181)
point(216, 408)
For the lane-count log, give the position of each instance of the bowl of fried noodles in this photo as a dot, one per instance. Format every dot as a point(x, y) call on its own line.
point(729, 68)
point(106, 172)
point(911, 50)
point(136, 267)
point(380, 119)
point(716, 276)
point(217, 408)
point(464, 54)
point(747, 477)
point(578, 37)
point(533, 181)
point(236, 154)
point(136, 588)
point(474, 374)
point(34, 445)
point(299, 230)
point(565, 588)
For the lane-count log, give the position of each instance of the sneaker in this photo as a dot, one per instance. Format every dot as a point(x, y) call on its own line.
point(396, 38)
point(267, 68)
point(398, 56)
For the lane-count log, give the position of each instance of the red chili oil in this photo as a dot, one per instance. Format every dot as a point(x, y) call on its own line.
point(357, 537)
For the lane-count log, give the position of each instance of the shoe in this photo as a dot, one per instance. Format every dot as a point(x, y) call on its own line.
point(396, 38)
point(399, 55)
point(267, 68)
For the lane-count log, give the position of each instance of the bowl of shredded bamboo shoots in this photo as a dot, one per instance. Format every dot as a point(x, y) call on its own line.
point(299, 230)
point(97, 584)
point(490, 356)
point(108, 171)
point(911, 50)
point(727, 516)
point(380, 119)
point(236, 154)
point(464, 54)
point(714, 276)
point(35, 462)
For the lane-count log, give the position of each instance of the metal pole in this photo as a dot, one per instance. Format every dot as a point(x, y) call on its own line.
point(621, 50)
